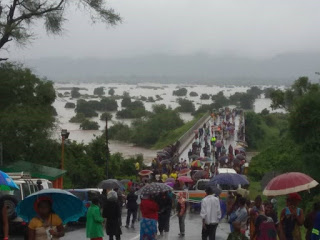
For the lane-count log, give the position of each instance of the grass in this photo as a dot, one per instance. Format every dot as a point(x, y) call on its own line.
point(172, 136)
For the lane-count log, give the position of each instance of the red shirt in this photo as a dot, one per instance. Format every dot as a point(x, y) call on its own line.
point(129, 185)
point(149, 209)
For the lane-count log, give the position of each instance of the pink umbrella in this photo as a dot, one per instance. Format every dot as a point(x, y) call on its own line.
point(145, 172)
point(289, 183)
point(185, 179)
point(184, 171)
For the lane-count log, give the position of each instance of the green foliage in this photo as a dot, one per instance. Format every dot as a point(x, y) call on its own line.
point(85, 108)
point(255, 92)
point(150, 99)
point(220, 100)
point(99, 91)
point(267, 92)
point(120, 131)
point(111, 92)
point(126, 101)
point(235, 98)
point(89, 125)
point(107, 104)
point(134, 109)
point(172, 136)
point(247, 101)
point(106, 115)
point(78, 118)
point(193, 94)
point(253, 129)
point(26, 114)
point(19, 17)
point(75, 93)
point(180, 92)
point(205, 96)
point(186, 105)
point(70, 105)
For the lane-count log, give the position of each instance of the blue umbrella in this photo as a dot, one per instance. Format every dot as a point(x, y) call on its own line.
point(231, 179)
point(66, 205)
point(6, 182)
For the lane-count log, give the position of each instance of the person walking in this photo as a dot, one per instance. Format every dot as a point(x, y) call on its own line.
point(181, 212)
point(111, 213)
point(94, 221)
point(310, 220)
point(148, 224)
point(210, 214)
point(132, 208)
point(242, 214)
point(165, 205)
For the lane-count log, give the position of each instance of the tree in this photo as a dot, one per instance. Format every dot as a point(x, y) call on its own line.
point(26, 114)
point(70, 105)
point(205, 96)
point(75, 93)
point(99, 91)
point(126, 101)
point(86, 108)
point(220, 100)
point(255, 91)
point(18, 17)
point(180, 92)
point(105, 116)
point(78, 118)
point(193, 94)
point(247, 101)
point(89, 125)
point(267, 92)
point(111, 92)
point(185, 106)
point(108, 104)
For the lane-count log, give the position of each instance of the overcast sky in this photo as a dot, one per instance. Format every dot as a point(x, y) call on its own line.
point(260, 28)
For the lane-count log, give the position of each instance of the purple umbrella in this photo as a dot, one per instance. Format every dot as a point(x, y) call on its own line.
point(170, 180)
point(218, 144)
point(240, 157)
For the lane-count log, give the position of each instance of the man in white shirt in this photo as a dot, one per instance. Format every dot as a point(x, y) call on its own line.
point(210, 214)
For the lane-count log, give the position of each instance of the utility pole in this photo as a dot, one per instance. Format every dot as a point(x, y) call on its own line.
point(318, 73)
point(64, 136)
point(107, 150)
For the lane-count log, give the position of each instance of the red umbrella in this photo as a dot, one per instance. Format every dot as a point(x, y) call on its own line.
point(185, 179)
point(145, 172)
point(289, 183)
point(184, 171)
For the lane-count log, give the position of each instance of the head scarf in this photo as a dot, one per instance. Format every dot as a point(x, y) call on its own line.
point(112, 196)
point(41, 199)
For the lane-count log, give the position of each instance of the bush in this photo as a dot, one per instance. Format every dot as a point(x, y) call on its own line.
point(126, 101)
point(87, 108)
point(255, 92)
point(60, 95)
point(89, 125)
point(150, 99)
point(193, 94)
point(108, 104)
point(111, 92)
point(120, 132)
point(143, 98)
point(99, 91)
point(105, 116)
point(186, 106)
point(268, 92)
point(220, 100)
point(180, 92)
point(70, 105)
point(247, 101)
point(78, 118)
point(75, 93)
point(205, 96)
point(134, 109)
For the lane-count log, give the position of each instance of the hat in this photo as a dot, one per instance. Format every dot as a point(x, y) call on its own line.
point(294, 196)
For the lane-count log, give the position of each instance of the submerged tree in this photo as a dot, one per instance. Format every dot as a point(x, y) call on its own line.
point(17, 17)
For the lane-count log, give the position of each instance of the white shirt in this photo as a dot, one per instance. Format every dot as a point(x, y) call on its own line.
point(210, 209)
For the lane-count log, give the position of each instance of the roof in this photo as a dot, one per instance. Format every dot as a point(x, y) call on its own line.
point(36, 170)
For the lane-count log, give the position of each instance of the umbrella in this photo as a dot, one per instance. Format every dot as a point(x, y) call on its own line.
point(167, 161)
point(185, 179)
point(267, 178)
point(243, 144)
point(223, 158)
point(218, 144)
point(199, 158)
point(240, 157)
point(110, 184)
point(124, 181)
point(238, 147)
point(231, 179)
point(196, 163)
point(289, 183)
point(162, 154)
point(67, 206)
point(145, 172)
point(170, 184)
point(170, 180)
point(184, 171)
point(217, 191)
point(200, 174)
point(153, 188)
point(207, 159)
point(194, 156)
point(6, 182)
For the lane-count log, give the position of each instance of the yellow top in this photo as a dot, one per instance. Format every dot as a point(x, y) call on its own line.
point(54, 221)
point(137, 165)
point(174, 175)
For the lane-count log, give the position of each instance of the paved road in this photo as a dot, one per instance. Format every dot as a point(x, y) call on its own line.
point(193, 230)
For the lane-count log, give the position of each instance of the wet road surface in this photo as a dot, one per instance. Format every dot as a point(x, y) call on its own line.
point(193, 230)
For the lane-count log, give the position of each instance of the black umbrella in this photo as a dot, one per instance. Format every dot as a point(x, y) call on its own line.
point(153, 188)
point(110, 184)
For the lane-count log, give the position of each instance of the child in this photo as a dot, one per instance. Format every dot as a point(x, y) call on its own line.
point(236, 234)
point(94, 221)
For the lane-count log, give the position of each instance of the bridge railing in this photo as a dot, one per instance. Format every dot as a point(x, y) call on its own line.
point(186, 138)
